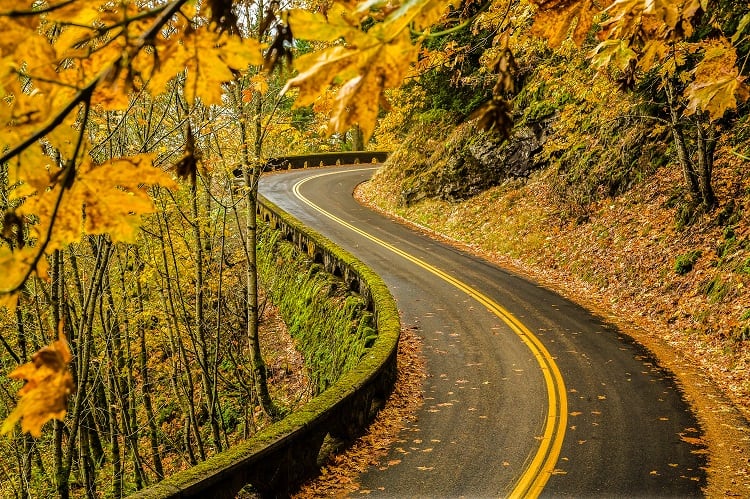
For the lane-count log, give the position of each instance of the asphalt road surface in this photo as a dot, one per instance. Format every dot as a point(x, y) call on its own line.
point(527, 393)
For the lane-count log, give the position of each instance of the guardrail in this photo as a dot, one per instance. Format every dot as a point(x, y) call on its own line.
point(279, 458)
point(322, 159)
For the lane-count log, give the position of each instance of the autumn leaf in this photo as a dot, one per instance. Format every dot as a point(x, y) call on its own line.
point(14, 265)
point(259, 83)
point(45, 394)
point(554, 19)
point(421, 13)
point(717, 84)
point(377, 61)
point(104, 198)
point(209, 61)
point(307, 25)
point(615, 52)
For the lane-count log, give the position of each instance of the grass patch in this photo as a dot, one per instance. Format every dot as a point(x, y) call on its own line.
point(684, 263)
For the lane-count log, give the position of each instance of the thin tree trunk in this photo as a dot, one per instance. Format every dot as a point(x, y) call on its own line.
point(706, 147)
point(683, 157)
point(87, 464)
point(114, 433)
point(358, 139)
point(251, 175)
point(189, 385)
point(85, 344)
point(144, 371)
point(208, 383)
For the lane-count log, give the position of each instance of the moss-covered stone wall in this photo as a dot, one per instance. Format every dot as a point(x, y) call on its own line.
point(329, 321)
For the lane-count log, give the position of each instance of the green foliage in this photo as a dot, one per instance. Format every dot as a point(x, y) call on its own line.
point(458, 88)
point(716, 289)
point(684, 263)
point(329, 322)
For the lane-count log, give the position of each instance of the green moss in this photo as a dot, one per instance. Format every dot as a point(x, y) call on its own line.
point(684, 263)
point(321, 312)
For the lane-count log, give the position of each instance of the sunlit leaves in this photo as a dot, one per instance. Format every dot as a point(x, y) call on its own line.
point(653, 34)
point(207, 60)
point(555, 18)
point(107, 198)
point(613, 52)
point(45, 394)
point(365, 64)
point(308, 25)
point(717, 84)
point(210, 63)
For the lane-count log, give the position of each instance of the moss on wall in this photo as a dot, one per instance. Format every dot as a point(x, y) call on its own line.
point(330, 323)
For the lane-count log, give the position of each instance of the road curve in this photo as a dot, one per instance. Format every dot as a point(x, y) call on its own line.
point(527, 393)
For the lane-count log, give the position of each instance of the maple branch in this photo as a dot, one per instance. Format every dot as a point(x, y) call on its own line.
point(86, 91)
point(83, 96)
point(67, 176)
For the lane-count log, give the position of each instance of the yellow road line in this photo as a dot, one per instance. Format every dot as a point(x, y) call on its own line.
point(542, 465)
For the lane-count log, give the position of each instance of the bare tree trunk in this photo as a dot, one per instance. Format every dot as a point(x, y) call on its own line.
point(706, 147)
point(251, 175)
point(145, 376)
point(358, 139)
point(683, 156)
point(189, 385)
point(114, 433)
point(204, 360)
point(85, 345)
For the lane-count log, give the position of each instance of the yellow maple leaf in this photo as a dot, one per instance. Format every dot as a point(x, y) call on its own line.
point(114, 195)
point(45, 394)
point(14, 265)
point(615, 52)
point(210, 61)
point(717, 83)
point(107, 198)
point(308, 25)
point(377, 61)
point(259, 83)
point(421, 13)
point(554, 19)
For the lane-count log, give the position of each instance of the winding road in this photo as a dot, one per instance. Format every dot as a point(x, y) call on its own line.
point(527, 393)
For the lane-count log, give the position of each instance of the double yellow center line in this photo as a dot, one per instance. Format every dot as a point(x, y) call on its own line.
point(541, 466)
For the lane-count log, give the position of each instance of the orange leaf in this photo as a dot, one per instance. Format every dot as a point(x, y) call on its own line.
point(45, 394)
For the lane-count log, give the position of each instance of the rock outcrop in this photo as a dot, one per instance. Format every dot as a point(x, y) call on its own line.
point(471, 161)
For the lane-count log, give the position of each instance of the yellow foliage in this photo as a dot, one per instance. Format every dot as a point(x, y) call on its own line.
point(717, 83)
point(554, 19)
point(45, 394)
point(366, 65)
point(108, 198)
